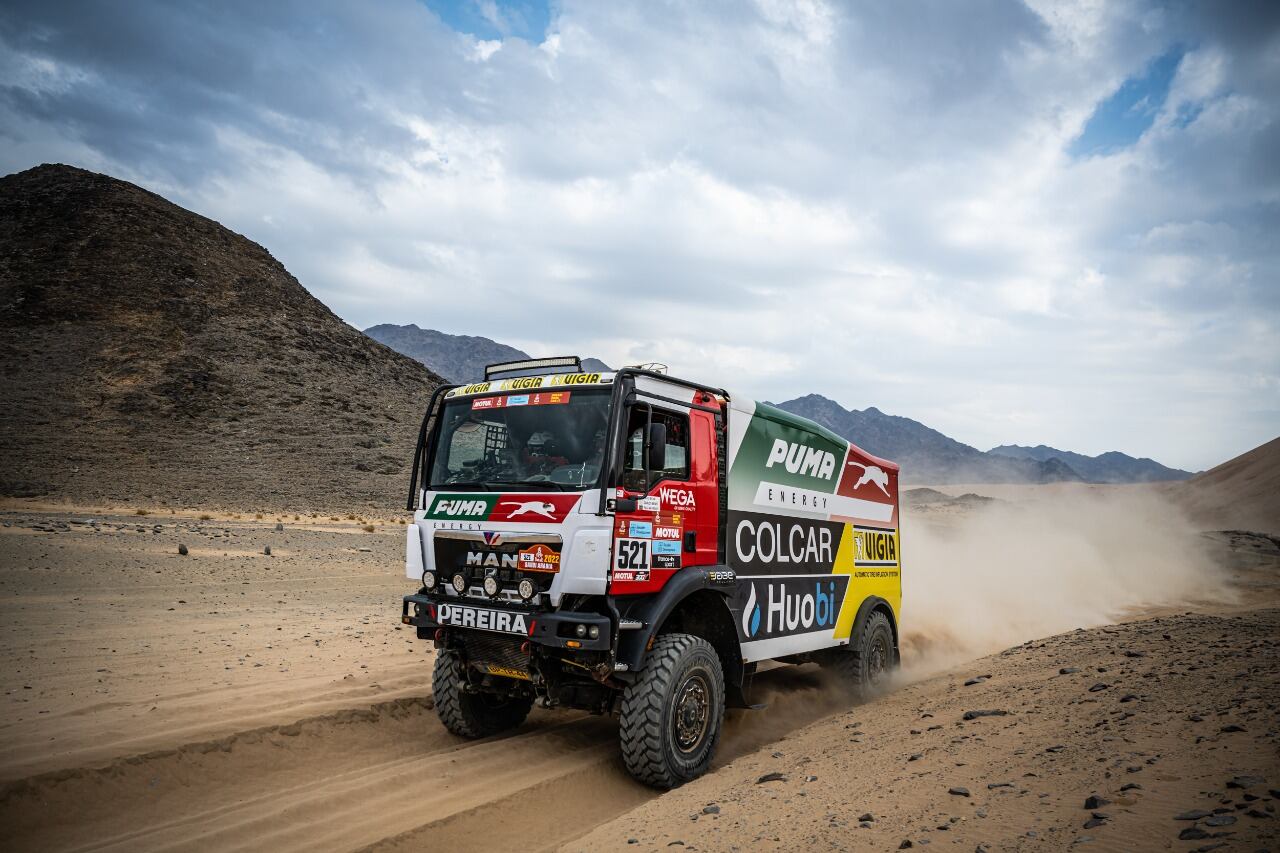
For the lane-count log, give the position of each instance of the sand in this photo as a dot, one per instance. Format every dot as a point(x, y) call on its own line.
point(233, 700)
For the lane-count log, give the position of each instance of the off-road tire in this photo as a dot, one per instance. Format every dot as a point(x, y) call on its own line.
point(472, 715)
point(681, 672)
point(866, 664)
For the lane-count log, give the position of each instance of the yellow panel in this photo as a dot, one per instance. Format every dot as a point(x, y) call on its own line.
point(864, 581)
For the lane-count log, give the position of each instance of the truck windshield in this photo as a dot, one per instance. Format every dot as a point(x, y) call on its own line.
point(537, 440)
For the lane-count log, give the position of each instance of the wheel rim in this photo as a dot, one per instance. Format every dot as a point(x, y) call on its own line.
point(692, 713)
point(877, 660)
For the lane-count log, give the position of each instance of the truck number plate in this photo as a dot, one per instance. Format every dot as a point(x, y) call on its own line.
point(631, 555)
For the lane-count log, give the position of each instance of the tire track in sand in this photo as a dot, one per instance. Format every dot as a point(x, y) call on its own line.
point(387, 777)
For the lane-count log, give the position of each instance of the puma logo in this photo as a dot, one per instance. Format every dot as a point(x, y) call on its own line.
point(872, 474)
point(542, 508)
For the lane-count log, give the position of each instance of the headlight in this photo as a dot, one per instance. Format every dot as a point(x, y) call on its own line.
point(429, 580)
point(526, 588)
point(581, 630)
point(490, 586)
point(459, 583)
point(595, 632)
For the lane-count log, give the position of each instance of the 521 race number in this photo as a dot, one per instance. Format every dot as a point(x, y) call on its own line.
point(631, 554)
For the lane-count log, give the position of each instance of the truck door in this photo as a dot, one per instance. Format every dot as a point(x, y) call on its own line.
point(676, 520)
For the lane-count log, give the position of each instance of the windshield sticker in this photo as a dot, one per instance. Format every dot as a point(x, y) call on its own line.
point(532, 383)
point(547, 398)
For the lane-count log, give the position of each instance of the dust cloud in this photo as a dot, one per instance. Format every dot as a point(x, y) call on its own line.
point(989, 577)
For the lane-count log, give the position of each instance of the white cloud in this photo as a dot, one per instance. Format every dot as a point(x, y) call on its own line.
point(874, 204)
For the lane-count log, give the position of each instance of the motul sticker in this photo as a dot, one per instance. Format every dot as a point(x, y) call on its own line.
point(551, 398)
point(662, 531)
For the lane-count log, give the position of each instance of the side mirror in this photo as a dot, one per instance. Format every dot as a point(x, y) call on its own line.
point(655, 445)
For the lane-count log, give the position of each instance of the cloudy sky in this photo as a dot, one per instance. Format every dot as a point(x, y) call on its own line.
point(1044, 223)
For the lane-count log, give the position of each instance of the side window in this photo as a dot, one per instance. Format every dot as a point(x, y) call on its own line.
point(677, 460)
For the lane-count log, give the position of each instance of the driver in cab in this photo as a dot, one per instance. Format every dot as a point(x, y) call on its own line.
point(541, 455)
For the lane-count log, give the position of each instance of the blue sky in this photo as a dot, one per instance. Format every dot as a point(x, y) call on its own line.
point(1119, 121)
point(1020, 223)
point(490, 19)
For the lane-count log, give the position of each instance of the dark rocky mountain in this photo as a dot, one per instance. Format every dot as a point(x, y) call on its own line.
point(458, 358)
point(926, 455)
point(151, 356)
point(1111, 467)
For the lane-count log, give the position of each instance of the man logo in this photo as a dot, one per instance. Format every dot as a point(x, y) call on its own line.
point(751, 614)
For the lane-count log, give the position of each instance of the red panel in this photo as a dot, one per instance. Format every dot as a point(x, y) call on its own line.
point(540, 508)
point(870, 479)
point(681, 506)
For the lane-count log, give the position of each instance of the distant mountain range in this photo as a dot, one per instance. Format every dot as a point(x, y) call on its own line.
point(1112, 467)
point(458, 358)
point(926, 455)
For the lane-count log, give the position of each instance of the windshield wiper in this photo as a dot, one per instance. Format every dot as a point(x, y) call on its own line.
point(479, 487)
point(546, 485)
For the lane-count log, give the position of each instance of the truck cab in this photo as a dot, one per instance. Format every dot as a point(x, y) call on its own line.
point(635, 543)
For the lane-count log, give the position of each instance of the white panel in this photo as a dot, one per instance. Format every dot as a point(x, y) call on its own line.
point(740, 414)
point(413, 553)
point(788, 645)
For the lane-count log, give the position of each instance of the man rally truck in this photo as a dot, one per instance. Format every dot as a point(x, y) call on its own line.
point(635, 543)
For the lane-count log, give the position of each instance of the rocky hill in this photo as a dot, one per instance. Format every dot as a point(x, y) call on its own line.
point(151, 356)
point(1111, 467)
point(458, 358)
point(926, 455)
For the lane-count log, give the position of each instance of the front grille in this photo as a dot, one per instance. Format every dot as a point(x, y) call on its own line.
point(482, 649)
point(469, 552)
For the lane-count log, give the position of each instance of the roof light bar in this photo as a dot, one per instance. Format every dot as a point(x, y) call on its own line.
point(533, 364)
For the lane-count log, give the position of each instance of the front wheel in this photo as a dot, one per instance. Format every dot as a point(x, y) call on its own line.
point(472, 715)
point(672, 713)
point(864, 667)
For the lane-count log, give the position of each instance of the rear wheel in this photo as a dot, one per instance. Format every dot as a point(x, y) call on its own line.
point(672, 713)
point(865, 665)
point(472, 715)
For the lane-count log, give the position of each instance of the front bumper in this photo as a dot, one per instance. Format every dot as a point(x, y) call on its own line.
point(555, 629)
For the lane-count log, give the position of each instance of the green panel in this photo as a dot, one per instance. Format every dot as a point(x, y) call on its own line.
point(464, 506)
point(780, 447)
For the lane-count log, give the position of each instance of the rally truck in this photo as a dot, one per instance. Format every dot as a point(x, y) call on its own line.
point(628, 542)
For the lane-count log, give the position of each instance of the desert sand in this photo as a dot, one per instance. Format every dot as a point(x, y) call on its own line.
point(230, 699)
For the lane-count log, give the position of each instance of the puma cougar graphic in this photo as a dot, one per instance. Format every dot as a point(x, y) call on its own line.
point(872, 474)
point(542, 508)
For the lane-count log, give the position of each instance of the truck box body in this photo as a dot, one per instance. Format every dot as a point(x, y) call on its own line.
point(812, 530)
